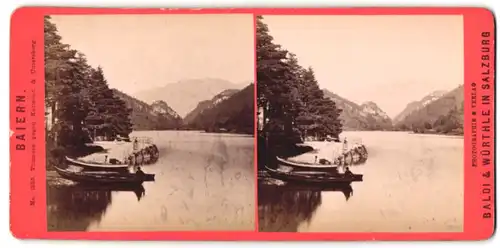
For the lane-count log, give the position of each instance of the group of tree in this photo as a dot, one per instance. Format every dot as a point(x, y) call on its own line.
point(291, 104)
point(77, 96)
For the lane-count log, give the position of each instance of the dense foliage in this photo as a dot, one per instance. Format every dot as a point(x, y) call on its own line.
point(79, 103)
point(109, 115)
point(290, 101)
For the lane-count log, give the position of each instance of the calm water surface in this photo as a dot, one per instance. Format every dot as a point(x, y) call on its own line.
point(412, 183)
point(203, 182)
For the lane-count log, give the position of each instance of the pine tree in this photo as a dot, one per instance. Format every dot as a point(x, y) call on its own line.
point(276, 94)
point(73, 102)
point(57, 57)
point(109, 115)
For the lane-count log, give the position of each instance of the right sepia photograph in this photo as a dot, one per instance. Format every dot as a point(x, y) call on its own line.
point(360, 123)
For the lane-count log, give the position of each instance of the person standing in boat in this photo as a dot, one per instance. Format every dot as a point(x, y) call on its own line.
point(344, 151)
point(136, 144)
point(344, 146)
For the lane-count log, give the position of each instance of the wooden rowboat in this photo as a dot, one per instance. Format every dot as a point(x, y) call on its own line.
point(301, 166)
point(314, 176)
point(105, 178)
point(96, 166)
point(116, 187)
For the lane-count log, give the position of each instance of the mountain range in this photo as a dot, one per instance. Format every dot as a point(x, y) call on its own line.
point(367, 116)
point(207, 105)
point(229, 111)
point(442, 113)
point(156, 116)
point(416, 105)
point(183, 96)
point(217, 105)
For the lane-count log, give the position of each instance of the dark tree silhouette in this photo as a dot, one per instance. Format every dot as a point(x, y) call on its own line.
point(289, 98)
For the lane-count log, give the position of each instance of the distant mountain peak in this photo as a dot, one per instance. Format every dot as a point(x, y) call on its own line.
point(201, 80)
point(441, 113)
point(209, 104)
point(156, 116)
point(161, 107)
point(184, 95)
point(223, 96)
point(373, 109)
point(369, 104)
point(367, 116)
point(231, 110)
point(439, 92)
point(417, 105)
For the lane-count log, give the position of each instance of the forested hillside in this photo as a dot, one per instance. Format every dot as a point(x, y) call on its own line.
point(416, 105)
point(227, 112)
point(443, 115)
point(208, 104)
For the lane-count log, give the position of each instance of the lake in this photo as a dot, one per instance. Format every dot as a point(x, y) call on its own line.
point(412, 183)
point(203, 181)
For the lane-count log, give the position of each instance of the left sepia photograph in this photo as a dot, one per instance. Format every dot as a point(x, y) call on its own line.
point(149, 122)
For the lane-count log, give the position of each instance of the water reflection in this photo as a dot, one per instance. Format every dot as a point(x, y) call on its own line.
point(285, 208)
point(76, 207)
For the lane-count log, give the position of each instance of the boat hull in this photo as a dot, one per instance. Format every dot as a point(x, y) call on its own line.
point(314, 177)
point(97, 167)
point(297, 166)
point(104, 178)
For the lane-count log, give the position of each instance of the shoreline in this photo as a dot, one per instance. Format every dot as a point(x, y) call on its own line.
point(322, 150)
point(409, 132)
point(197, 131)
point(442, 134)
point(97, 150)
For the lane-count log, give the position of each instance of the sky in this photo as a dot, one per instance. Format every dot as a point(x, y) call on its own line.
point(390, 60)
point(140, 52)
